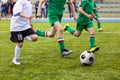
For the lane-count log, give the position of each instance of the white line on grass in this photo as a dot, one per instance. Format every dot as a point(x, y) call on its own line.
point(67, 32)
point(109, 32)
point(102, 32)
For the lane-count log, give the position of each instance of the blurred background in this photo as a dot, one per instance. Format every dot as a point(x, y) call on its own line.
point(108, 8)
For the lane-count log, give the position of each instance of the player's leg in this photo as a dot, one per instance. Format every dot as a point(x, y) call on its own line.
point(52, 31)
point(56, 27)
point(40, 32)
point(99, 24)
point(30, 35)
point(76, 32)
point(18, 38)
point(16, 59)
point(98, 21)
point(91, 31)
point(92, 37)
point(60, 40)
point(46, 33)
point(68, 28)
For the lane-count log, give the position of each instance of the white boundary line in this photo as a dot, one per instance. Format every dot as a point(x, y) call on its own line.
point(72, 20)
point(67, 32)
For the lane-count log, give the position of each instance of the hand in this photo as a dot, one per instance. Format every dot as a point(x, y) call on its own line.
point(30, 17)
point(39, 15)
point(75, 17)
point(90, 16)
point(97, 9)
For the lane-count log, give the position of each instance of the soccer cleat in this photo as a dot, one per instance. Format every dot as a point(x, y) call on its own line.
point(16, 61)
point(66, 52)
point(94, 49)
point(65, 27)
point(100, 30)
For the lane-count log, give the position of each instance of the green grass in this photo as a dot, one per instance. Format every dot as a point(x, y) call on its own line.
point(41, 60)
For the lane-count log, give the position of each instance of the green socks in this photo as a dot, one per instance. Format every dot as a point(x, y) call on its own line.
point(42, 33)
point(92, 40)
point(99, 25)
point(70, 30)
point(61, 44)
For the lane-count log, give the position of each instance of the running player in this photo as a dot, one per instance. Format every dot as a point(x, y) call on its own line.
point(55, 13)
point(84, 21)
point(21, 27)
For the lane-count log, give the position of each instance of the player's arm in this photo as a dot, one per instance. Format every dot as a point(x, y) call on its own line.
point(18, 10)
point(73, 9)
point(31, 24)
point(84, 13)
point(39, 7)
point(82, 7)
point(96, 7)
point(95, 11)
point(25, 16)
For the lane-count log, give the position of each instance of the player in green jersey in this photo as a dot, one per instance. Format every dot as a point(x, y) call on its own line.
point(96, 17)
point(55, 13)
point(84, 21)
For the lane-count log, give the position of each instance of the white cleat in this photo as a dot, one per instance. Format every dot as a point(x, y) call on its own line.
point(66, 52)
point(16, 61)
point(100, 30)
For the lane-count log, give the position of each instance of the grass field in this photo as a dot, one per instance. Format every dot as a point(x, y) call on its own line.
point(41, 60)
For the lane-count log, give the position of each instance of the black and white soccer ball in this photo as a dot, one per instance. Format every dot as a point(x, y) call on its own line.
point(87, 58)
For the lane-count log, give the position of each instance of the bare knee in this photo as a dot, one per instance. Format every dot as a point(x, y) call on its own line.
point(92, 32)
point(77, 35)
point(51, 35)
point(34, 38)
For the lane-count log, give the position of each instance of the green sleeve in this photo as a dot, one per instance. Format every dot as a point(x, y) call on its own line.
point(83, 4)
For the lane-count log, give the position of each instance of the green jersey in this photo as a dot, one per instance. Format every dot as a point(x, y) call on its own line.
point(88, 7)
point(56, 6)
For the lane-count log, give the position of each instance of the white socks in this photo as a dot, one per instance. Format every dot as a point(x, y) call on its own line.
point(17, 52)
point(28, 38)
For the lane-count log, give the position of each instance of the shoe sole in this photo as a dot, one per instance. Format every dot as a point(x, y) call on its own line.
point(15, 64)
point(100, 30)
point(64, 29)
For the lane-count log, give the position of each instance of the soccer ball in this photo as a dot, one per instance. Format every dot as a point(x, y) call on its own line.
point(87, 58)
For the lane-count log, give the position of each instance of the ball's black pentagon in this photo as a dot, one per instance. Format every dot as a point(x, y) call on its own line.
point(89, 52)
point(83, 56)
point(91, 59)
point(86, 64)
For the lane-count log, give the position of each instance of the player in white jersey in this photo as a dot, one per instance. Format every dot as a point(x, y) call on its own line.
point(21, 26)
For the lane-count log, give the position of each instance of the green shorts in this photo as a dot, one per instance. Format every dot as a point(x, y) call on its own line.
point(81, 26)
point(54, 18)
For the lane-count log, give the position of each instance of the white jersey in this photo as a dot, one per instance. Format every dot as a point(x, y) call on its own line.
point(18, 23)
